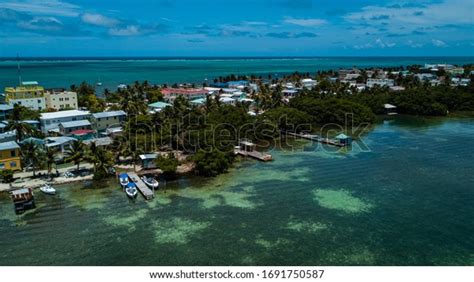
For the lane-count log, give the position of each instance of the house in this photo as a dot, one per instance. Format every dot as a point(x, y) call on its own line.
point(308, 83)
point(51, 121)
point(68, 127)
point(10, 156)
point(29, 94)
point(390, 109)
point(61, 144)
point(149, 161)
point(158, 106)
point(60, 100)
point(104, 120)
point(5, 111)
point(344, 139)
point(371, 82)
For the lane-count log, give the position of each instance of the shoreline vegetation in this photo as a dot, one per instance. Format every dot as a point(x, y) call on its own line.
point(202, 138)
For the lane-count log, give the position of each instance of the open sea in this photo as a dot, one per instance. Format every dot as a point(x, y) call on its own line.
point(407, 200)
point(63, 72)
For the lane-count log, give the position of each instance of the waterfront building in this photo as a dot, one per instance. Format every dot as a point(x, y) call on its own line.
point(344, 139)
point(456, 71)
point(60, 100)
point(104, 120)
point(8, 136)
point(30, 94)
point(69, 127)
point(61, 143)
point(10, 156)
point(51, 121)
point(380, 82)
point(5, 111)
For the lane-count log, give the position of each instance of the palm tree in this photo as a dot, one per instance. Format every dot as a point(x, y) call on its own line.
point(21, 128)
point(50, 158)
point(32, 155)
point(92, 153)
point(76, 153)
point(101, 158)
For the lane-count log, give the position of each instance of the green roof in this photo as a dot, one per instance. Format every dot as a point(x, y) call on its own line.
point(342, 136)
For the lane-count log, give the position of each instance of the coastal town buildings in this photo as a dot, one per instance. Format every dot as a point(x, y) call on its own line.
point(170, 94)
point(29, 94)
point(371, 82)
point(51, 121)
point(5, 111)
point(105, 120)
point(69, 127)
point(10, 156)
point(60, 100)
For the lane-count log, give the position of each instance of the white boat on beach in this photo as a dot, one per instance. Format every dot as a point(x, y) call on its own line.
point(151, 182)
point(48, 189)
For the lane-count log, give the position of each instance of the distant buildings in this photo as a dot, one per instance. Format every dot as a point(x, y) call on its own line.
point(170, 94)
point(5, 111)
point(10, 156)
point(31, 95)
point(371, 82)
point(69, 127)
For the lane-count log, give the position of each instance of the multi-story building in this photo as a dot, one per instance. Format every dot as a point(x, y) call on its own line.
point(29, 94)
point(60, 100)
point(190, 93)
point(51, 121)
point(104, 120)
point(10, 156)
point(5, 111)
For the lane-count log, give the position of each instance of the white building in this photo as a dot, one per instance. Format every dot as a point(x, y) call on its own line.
point(51, 121)
point(59, 100)
point(381, 82)
point(309, 83)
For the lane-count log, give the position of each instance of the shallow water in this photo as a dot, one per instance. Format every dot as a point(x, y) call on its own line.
point(408, 201)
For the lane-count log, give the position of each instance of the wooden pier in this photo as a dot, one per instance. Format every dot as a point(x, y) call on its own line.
point(141, 186)
point(247, 149)
point(316, 138)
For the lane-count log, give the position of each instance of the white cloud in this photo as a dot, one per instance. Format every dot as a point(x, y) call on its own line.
point(439, 43)
point(305, 22)
point(99, 20)
point(43, 7)
point(446, 12)
point(129, 30)
point(42, 23)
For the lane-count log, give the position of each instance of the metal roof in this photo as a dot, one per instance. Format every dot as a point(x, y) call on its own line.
point(5, 107)
point(75, 123)
point(159, 105)
point(11, 145)
point(148, 156)
point(109, 114)
point(64, 114)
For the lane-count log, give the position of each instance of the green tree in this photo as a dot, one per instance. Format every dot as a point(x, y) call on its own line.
point(212, 163)
point(168, 164)
point(32, 155)
point(76, 153)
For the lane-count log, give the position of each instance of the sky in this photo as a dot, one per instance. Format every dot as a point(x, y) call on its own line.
point(236, 28)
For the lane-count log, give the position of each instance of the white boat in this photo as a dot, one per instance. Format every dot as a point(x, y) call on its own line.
point(131, 191)
point(123, 178)
point(99, 83)
point(151, 182)
point(48, 189)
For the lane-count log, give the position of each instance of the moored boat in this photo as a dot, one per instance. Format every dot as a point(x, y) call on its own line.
point(48, 189)
point(131, 190)
point(124, 179)
point(151, 182)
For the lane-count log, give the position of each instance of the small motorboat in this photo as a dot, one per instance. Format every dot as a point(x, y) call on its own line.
point(151, 182)
point(123, 178)
point(131, 190)
point(48, 189)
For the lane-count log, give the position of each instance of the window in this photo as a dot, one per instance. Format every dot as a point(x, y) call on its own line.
point(13, 153)
point(12, 164)
point(2, 165)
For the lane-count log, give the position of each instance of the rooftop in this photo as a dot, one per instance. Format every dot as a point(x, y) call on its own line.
point(11, 145)
point(148, 156)
point(5, 107)
point(109, 114)
point(30, 83)
point(75, 123)
point(56, 141)
point(63, 114)
point(159, 105)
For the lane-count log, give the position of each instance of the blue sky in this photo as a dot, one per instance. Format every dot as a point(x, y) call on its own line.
point(236, 28)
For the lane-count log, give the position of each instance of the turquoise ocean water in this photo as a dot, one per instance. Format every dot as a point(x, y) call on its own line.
point(62, 72)
point(409, 200)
